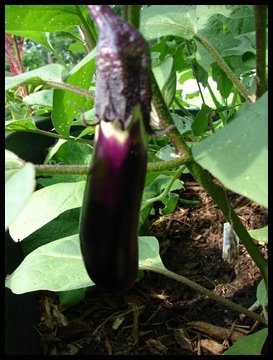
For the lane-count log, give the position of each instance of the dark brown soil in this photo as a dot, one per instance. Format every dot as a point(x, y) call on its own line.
point(160, 316)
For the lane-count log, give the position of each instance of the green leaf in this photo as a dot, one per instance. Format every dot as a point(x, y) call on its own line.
point(166, 153)
point(19, 125)
point(12, 163)
point(163, 71)
point(18, 188)
point(183, 125)
point(52, 72)
point(42, 97)
point(262, 297)
point(249, 345)
point(224, 84)
point(69, 153)
point(178, 20)
point(66, 104)
point(200, 123)
point(37, 36)
point(237, 155)
point(149, 253)
point(45, 18)
point(260, 235)
point(66, 224)
point(45, 205)
point(58, 266)
point(168, 90)
point(161, 20)
point(70, 298)
point(170, 202)
point(223, 33)
point(73, 153)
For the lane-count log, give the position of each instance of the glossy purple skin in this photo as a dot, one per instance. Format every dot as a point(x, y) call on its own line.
point(114, 187)
point(110, 212)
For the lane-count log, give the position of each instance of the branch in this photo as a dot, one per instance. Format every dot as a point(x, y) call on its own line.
point(236, 307)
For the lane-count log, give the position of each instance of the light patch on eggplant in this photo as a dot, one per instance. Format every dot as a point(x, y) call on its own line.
point(111, 131)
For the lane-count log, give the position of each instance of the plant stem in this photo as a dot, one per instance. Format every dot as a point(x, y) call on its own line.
point(83, 169)
point(221, 62)
point(260, 25)
point(53, 135)
point(166, 120)
point(236, 307)
point(57, 56)
point(131, 13)
point(88, 35)
point(19, 63)
point(69, 87)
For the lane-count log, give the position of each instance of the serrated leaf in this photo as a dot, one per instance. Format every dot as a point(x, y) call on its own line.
point(18, 188)
point(68, 105)
point(52, 72)
point(45, 205)
point(249, 345)
point(237, 155)
point(58, 266)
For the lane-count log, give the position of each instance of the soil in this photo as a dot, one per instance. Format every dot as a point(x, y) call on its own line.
point(160, 316)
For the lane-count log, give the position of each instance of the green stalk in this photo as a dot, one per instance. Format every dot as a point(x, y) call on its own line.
point(131, 13)
point(50, 134)
point(84, 170)
point(89, 36)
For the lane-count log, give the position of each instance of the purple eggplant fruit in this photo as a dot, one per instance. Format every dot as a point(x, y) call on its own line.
point(114, 187)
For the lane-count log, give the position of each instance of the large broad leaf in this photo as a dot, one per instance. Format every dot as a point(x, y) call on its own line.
point(46, 18)
point(238, 154)
point(18, 187)
point(58, 266)
point(177, 20)
point(66, 224)
point(52, 72)
point(45, 205)
point(68, 105)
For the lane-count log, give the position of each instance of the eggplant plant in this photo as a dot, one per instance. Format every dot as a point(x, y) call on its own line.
point(111, 191)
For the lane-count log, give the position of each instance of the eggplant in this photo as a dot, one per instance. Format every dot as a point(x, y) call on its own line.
point(114, 187)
